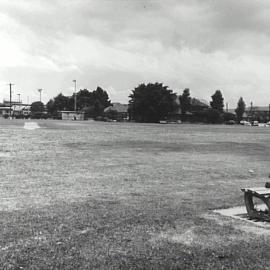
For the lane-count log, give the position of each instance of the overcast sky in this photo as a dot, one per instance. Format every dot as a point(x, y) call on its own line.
point(117, 44)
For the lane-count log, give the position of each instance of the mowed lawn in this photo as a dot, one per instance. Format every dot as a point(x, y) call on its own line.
point(93, 195)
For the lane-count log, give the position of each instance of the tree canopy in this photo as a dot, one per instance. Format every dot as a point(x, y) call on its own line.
point(92, 103)
point(37, 107)
point(185, 101)
point(151, 102)
point(217, 102)
point(59, 103)
point(241, 107)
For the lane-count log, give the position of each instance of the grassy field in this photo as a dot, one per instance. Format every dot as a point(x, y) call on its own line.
point(90, 195)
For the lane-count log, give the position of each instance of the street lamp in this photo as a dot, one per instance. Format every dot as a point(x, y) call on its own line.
point(75, 96)
point(40, 90)
point(19, 97)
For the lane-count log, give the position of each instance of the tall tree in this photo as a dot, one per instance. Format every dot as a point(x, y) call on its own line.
point(37, 110)
point(241, 107)
point(37, 107)
point(185, 101)
point(102, 96)
point(59, 103)
point(151, 102)
point(93, 103)
point(217, 102)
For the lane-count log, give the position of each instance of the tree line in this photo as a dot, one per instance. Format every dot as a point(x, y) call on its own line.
point(92, 103)
point(150, 102)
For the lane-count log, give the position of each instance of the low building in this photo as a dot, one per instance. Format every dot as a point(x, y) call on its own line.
point(4, 111)
point(17, 109)
point(258, 113)
point(117, 111)
point(72, 115)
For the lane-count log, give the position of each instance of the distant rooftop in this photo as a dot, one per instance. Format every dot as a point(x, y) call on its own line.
point(121, 108)
point(258, 108)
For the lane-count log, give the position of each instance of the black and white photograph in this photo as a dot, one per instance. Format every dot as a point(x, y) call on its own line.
point(134, 134)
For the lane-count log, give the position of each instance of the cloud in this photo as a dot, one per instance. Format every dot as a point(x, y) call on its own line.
point(203, 45)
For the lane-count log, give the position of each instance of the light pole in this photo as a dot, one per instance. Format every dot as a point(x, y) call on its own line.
point(40, 90)
point(75, 96)
point(10, 98)
point(19, 95)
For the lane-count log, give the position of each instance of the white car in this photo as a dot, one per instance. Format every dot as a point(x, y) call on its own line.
point(245, 123)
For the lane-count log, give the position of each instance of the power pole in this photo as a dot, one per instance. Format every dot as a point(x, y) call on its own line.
point(19, 95)
point(75, 96)
point(227, 107)
point(40, 90)
point(10, 98)
point(251, 110)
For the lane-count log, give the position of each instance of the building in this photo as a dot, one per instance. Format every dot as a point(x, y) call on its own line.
point(4, 111)
point(198, 104)
point(258, 113)
point(117, 111)
point(72, 115)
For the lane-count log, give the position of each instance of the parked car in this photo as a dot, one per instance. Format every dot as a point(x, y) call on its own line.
point(230, 122)
point(255, 123)
point(245, 123)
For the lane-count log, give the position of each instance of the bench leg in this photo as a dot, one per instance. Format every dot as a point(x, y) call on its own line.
point(252, 211)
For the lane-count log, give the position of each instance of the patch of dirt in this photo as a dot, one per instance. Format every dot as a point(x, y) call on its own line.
point(31, 125)
point(238, 218)
point(192, 237)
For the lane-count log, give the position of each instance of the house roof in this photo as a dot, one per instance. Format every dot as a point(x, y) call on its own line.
point(258, 109)
point(120, 108)
point(231, 111)
point(199, 102)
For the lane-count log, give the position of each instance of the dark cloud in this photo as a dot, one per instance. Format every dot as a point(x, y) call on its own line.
point(184, 43)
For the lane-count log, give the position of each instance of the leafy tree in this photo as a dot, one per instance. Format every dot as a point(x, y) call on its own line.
point(241, 107)
point(217, 102)
point(84, 98)
point(59, 103)
point(37, 107)
point(102, 96)
point(93, 103)
point(101, 101)
point(185, 101)
point(37, 110)
point(151, 102)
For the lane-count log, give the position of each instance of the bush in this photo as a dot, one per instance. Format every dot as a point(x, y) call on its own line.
point(229, 116)
point(213, 116)
point(39, 115)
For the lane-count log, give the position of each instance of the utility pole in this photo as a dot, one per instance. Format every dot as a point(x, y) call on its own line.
point(10, 98)
point(227, 107)
point(75, 96)
point(251, 110)
point(19, 97)
point(40, 90)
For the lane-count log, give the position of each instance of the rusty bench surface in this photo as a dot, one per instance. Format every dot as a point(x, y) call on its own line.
point(257, 190)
